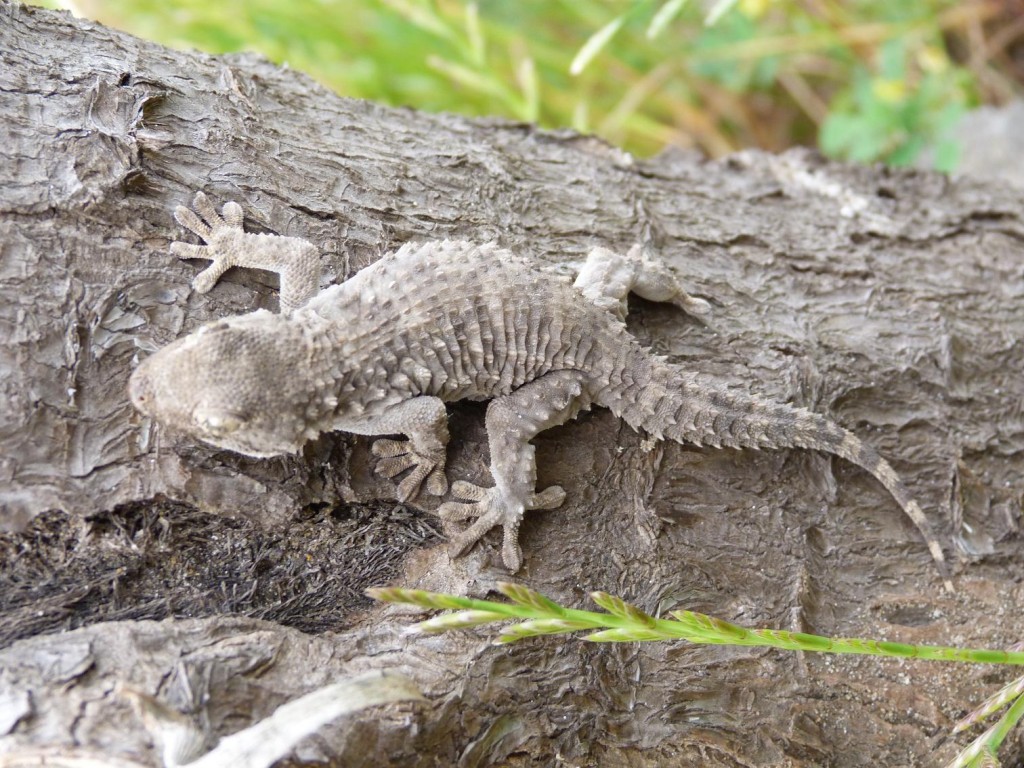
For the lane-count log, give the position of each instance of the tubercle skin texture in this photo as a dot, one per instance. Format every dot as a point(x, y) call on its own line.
point(441, 321)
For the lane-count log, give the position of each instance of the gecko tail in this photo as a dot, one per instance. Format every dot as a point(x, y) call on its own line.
point(669, 402)
point(845, 444)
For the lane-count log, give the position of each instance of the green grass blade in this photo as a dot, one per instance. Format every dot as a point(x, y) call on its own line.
point(530, 598)
point(595, 43)
point(663, 17)
point(718, 10)
point(982, 751)
point(619, 607)
point(475, 35)
point(529, 84)
point(458, 620)
point(638, 635)
point(623, 621)
point(539, 627)
point(537, 615)
point(422, 16)
point(992, 705)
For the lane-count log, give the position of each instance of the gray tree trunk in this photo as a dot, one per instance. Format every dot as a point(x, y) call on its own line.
point(888, 300)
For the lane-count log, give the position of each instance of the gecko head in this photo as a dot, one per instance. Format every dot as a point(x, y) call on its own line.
point(241, 383)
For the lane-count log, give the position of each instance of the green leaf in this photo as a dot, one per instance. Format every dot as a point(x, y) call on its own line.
point(908, 150)
point(893, 59)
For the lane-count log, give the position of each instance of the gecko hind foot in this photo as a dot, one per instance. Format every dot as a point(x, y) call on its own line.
point(396, 456)
point(491, 509)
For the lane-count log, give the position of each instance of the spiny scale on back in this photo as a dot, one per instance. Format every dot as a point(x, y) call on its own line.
point(462, 321)
point(442, 321)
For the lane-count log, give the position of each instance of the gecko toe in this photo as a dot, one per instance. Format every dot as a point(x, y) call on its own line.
point(188, 250)
point(386, 448)
point(427, 469)
point(409, 488)
point(550, 498)
point(463, 490)
point(492, 509)
point(205, 280)
point(395, 465)
point(486, 519)
point(511, 552)
point(437, 482)
point(455, 511)
point(201, 204)
point(233, 214)
point(191, 221)
point(489, 514)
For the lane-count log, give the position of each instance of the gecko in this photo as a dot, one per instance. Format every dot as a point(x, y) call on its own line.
point(382, 353)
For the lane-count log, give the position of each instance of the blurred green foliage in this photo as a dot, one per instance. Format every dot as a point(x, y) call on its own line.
point(869, 80)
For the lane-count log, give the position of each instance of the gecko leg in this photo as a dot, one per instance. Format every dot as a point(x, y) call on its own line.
point(607, 278)
point(425, 421)
point(512, 421)
point(228, 245)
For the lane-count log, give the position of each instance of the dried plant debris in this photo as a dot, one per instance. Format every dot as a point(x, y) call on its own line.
point(152, 561)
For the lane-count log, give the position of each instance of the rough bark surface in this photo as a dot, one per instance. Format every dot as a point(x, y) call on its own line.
point(888, 300)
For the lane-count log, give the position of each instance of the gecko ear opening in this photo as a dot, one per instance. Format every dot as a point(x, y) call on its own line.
point(216, 422)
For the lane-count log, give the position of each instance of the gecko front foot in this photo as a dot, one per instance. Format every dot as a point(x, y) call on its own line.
point(229, 245)
point(491, 508)
point(222, 233)
point(396, 456)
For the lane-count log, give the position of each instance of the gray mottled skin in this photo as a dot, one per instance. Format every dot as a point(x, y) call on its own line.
point(435, 322)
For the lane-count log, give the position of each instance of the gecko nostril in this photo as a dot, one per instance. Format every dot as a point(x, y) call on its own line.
point(140, 390)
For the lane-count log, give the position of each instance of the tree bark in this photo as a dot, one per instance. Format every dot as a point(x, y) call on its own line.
point(889, 300)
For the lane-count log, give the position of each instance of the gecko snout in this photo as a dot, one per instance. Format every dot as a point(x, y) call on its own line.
point(140, 390)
